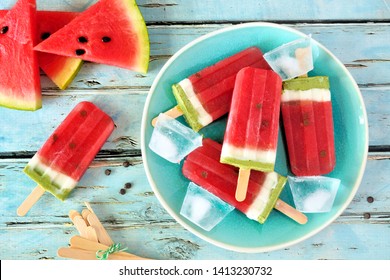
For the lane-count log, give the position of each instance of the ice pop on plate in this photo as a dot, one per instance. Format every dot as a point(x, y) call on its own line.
point(63, 159)
point(203, 167)
point(206, 95)
point(251, 134)
point(308, 125)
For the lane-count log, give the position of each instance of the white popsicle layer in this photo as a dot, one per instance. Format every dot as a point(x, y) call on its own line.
point(248, 154)
point(260, 203)
point(204, 118)
point(315, 94)
point(57, 178)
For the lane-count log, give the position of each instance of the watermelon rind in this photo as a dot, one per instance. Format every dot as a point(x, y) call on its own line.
point(63, 79)
point(60, 69)
point(144, 44)
point(6, 100)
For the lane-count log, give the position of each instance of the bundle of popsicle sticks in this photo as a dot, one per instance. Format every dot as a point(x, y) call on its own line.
point(93, 241)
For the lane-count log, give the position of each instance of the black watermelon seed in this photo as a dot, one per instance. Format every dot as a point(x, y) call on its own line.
point(82, 39)
point(128, 185)
point(55, 137)
point(126, 164)
point(107, 172)
point(80, 52)
point(122, 191)
point(4, 30)
point(45, 35)
point(370, 199)
point(106, 39)
point(83, 113)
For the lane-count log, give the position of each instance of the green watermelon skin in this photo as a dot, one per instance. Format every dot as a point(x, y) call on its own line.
point(19, 72)
point(118, 20)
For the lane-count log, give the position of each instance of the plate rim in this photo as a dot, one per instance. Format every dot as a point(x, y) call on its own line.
point(191, 229)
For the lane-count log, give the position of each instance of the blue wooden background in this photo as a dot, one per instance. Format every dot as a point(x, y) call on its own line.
point(357, 32)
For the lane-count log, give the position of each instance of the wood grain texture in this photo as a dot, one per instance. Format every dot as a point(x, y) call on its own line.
point(356, 32)
point(244, 10)
point(137, 220)
point(126, 138)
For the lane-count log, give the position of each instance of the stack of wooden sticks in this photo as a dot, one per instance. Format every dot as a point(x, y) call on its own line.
point(93, 241)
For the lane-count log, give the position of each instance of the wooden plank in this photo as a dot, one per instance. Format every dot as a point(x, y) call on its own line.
point(33, 128)
point(368, 60)
point(104, 191)
point(376, 101)
point(138, 218)
point(126, 107)
point(244, 10)
point(173, 242)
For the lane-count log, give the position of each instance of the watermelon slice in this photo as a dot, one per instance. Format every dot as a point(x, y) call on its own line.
point(60, 69)
point(110, 32)
point(20, 86)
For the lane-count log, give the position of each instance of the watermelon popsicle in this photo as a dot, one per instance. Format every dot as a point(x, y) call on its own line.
point(202, 167)
point(308, 125)
point(65, 156)
point(251, 134)
point(206, 95)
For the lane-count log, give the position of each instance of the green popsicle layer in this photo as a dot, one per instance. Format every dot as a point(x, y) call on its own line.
point(273, 198)
point(189, 112)
point(47, 183)
point(307, 83)
point(249, 164)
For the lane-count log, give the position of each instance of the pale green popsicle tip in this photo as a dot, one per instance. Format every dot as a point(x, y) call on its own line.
point(249, 164)
point(46, 183)
point(189, 112)
point(307, 83)
point(275, 193)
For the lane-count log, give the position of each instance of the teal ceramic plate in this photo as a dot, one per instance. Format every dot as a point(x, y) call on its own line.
point(236, 232)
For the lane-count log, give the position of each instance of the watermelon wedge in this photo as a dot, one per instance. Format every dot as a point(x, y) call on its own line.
point(110, 32)
point(20, 86)
point(60, 69)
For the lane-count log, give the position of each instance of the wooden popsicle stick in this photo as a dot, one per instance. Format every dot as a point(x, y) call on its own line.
point(242, 184)
point(174, 112)
point(291, 212)
point(82, 243)
point(300, 54)
point(72, 214)
point(80, 254)
point(91, 234)
point(30, 200)
point(80, 225)
point(85, 214)
point(101, 232)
